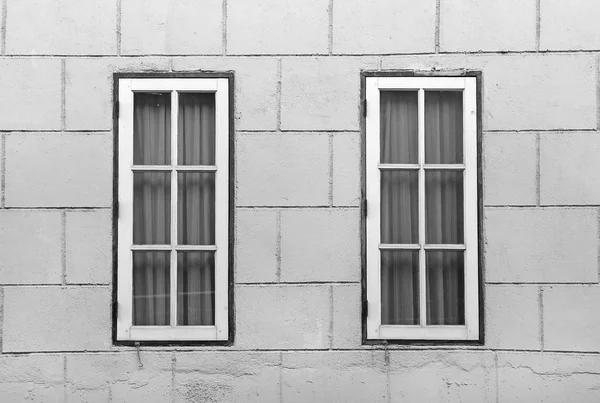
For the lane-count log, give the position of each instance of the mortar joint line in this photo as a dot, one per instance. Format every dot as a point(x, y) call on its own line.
point(497, 379)
point(437, 25)
point(3, 27)
point(278, 245)
point(330, 317)
point(598, 238)
point(541, 308)
point(173, 365)
point(388, 375)
point(597, 92)
point(279, 86)
point(538, 24)
point(63, 94)
point(65, 396)
point(330, 190)
point(63, 230)
point(3, 170)
point(118, 28)
point(1, 317)
point(281, 377)
point(224, 27)
point(330, 30)
point(538, 170)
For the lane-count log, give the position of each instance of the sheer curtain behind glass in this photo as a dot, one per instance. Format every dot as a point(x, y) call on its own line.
point(152, 209)
point(400, 208)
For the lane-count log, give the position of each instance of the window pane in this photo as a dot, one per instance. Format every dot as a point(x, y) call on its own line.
point(151, 208)
point(399, 127)
point(195, 288)
point(400, 287)
point(196, 208)
point(444, 207)
point(399, 207)
point(151, 292)
point(196, 129)
point(151, 128)
point(443, 127)
point(445, 288)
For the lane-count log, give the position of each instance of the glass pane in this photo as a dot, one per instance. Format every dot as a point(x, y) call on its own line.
point(196, 288)
point(151, 128)
point(445, 287)
point(443, 127)
point(151, 208)
point(400, 287)
point(196, 208)
point(196, 129)
point(151, 292)
point(444, 207)
point(399, 207)
point(399, 127)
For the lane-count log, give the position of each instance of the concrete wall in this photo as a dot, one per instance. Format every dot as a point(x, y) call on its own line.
point(297, 271)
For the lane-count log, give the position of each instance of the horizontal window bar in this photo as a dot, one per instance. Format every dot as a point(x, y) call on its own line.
point(168, 168)
point(457, 167)
point(398, 166)
point(445, 247)
point(391, 246)
point(177, 247)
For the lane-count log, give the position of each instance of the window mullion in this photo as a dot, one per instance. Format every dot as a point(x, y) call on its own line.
point(174, 241)
point(421, 161)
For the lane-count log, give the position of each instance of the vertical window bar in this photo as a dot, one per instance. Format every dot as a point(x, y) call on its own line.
point(421, 147)
point(174, 241)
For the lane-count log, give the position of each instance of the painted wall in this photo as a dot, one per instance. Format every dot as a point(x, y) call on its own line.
point(297, 274)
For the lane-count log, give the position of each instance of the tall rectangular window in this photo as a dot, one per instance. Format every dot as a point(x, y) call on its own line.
point(421, 225)
point(173, 209)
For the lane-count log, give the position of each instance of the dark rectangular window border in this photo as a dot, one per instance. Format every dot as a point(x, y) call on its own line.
point(229, 75)
point(363, 186)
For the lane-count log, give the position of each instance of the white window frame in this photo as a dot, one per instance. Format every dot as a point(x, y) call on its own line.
point(375, 330)
point(126, 331)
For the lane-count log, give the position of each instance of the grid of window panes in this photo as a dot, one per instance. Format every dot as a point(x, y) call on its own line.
point(173, 209)
point(422, 210)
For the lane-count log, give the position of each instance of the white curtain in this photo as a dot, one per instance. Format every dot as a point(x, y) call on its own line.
point(443, 208)
point(152, 209)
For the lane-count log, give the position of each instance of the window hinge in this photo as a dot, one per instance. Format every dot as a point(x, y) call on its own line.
point(117, 109)
point(365, 207)
point(366, 308)
point(365, 108)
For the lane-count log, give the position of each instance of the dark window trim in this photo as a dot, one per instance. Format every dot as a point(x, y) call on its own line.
point(157, 74)
point(363, 223)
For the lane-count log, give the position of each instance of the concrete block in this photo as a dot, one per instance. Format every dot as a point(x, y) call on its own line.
point(320, 245)
point(540, 92)
point(548, 378)
point(227, 377)
point(571, 321)
point(322, 93)
point(347, 319)
point(121, 372)
point(31, 378)
point(282, 170)
point(56, 319)
point(256, 99)
point(171, 27)
point(569, 168)
point(510, 168)
point(31, 247)
point(30, 94)
point(541, 245)
point(389, 27)
point(275, 27)
point(334, 376)
point(67, 170)
point(346, 170)
point(88, 76)
point(89, 246)
point(512, 317)
point(283, 317)
point(256, 246)
point(61, 27)
point(442, 376)
point(569, 25)
point(488, 25)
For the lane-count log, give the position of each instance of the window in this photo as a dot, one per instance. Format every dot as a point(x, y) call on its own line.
point(422, 270)
point(173, 252)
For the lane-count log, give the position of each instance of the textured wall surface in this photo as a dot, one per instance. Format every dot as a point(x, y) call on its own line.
point(298, 321)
